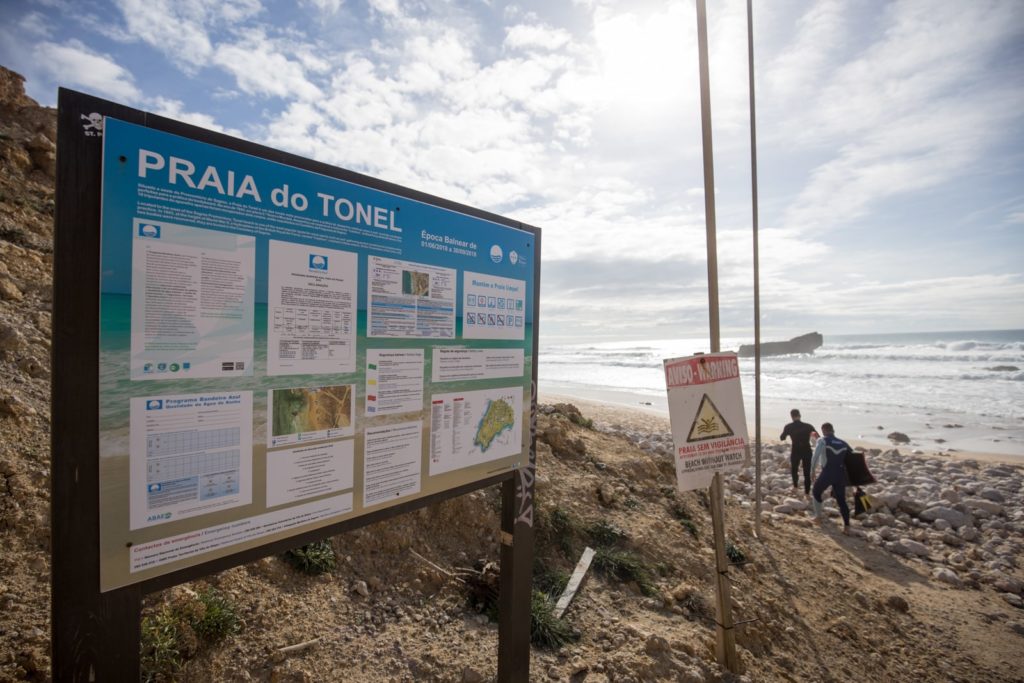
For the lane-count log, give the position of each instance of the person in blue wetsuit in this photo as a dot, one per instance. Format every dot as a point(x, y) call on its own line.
point(799, 434)
point(830, 454)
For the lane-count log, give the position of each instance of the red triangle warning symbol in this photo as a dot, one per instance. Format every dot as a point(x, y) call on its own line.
point(708, 423)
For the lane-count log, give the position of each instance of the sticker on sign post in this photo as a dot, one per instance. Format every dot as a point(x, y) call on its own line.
point(709, 426)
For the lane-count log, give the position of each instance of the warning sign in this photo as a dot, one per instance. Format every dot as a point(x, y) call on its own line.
point(709, 426)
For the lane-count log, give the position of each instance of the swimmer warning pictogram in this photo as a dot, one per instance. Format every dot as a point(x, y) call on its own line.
point(708, 423)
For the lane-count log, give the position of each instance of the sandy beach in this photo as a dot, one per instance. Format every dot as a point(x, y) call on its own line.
point(643, 415)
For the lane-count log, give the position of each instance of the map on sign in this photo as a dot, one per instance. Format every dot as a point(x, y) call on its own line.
point(708, 423)
point(498, 417)
point(469, 428)
point(306, 414)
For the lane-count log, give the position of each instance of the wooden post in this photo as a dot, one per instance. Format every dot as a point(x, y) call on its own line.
point(94, 636)
point(725, 633)
point(516, 585)
point(725, 643)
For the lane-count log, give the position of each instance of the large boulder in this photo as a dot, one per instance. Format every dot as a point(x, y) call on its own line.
point(911, 507)
point(954, 517)
point(989, 506)
point(992, 494)
point(946, 575)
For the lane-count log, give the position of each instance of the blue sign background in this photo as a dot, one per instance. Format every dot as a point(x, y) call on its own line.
point(122, 203)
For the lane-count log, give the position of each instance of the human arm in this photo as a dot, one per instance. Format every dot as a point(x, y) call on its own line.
point(785, 432)
point(819, 457)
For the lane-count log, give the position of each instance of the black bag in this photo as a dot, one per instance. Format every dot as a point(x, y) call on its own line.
point(857, 472)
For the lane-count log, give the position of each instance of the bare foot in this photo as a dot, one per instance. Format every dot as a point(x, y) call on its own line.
point(846, 531)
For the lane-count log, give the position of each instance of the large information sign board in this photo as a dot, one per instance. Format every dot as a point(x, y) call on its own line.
point(709, 426)
point(282, 349)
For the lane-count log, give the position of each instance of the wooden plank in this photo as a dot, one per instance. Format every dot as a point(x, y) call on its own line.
point(575, 581)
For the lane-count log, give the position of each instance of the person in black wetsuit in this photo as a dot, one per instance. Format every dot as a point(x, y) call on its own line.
point(800, 435)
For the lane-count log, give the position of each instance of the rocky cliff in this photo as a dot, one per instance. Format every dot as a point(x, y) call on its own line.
point(27, 164)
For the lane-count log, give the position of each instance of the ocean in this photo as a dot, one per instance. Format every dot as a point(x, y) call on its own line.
point(948, 391)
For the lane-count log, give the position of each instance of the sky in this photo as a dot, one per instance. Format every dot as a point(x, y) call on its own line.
point(890, 138)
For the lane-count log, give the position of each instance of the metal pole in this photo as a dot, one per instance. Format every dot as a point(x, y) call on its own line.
point(725, 635)
point(757, 275)
point(709, 176)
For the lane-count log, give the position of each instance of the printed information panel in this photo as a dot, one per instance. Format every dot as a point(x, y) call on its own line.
point(709, 424)
point(282, 350)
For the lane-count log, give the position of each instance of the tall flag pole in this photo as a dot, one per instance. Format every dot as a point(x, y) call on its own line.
point(757, 274)
point(725, 640)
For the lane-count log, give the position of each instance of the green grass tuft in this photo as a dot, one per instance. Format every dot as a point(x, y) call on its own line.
point(313, 558)
point(626, 566)
point(549, 580)
point(545, 629)
point(160, 648)
point(563, 528)
point(604, 533)
point(584, 422)
point(219, 618)
point(734, 554)
point(174, 633)
point(683, 514)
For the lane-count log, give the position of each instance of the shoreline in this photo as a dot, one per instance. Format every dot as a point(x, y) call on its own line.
point(626, 409)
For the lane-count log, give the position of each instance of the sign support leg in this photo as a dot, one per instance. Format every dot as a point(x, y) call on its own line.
point(725, 634)
point(95, 636)
point(516, 578)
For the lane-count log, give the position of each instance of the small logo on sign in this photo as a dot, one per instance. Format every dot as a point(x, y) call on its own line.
point(93, 125)
point(154, 404)
point(497, 254)
point(149, 230)
point(317, 262)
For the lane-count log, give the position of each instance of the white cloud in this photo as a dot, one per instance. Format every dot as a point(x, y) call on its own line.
point(261, 69)
point(329, 6)
point(75, 65)
point(959, 302)
point(386, 7)
point(525, 37)
point(912, 110)
point(175, 109)
point(821, 35)
point(169, 27)
point(180, 28)
point(35, 24)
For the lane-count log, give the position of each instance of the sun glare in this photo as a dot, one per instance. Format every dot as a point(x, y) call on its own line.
point(642, 55)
